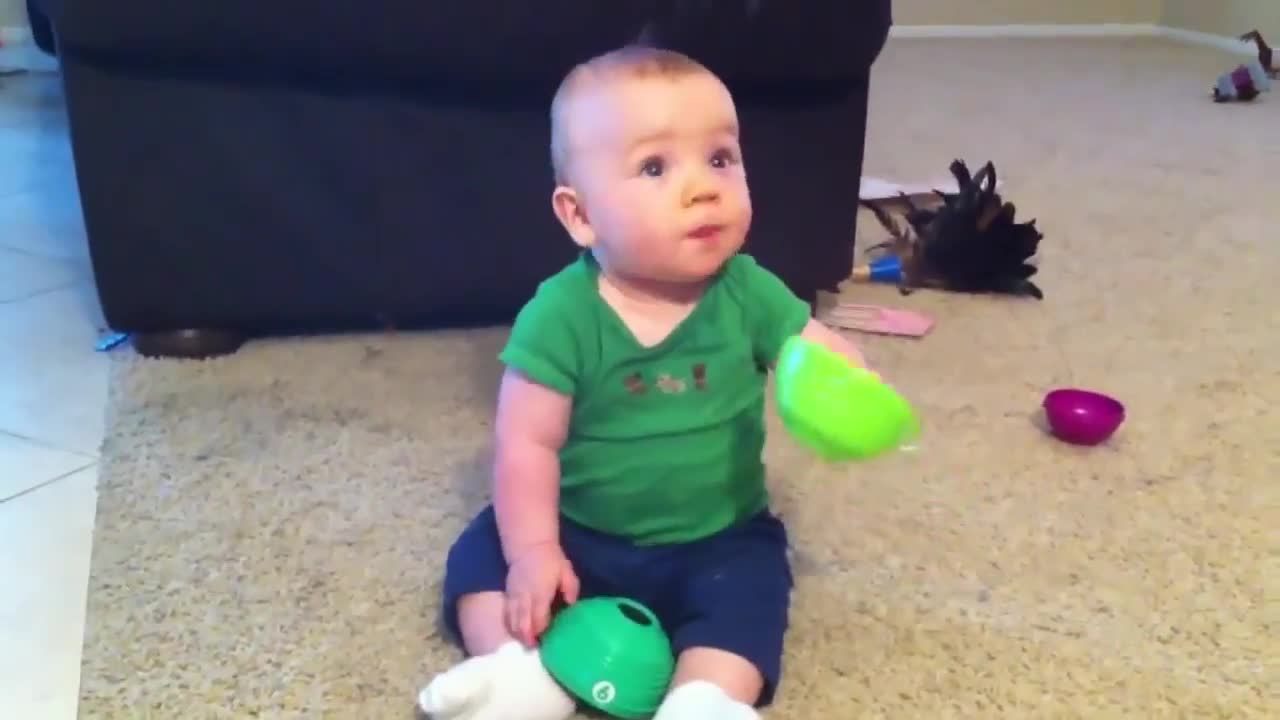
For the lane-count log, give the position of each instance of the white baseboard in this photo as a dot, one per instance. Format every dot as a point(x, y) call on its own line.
point(19, 52)
point(1221, 42)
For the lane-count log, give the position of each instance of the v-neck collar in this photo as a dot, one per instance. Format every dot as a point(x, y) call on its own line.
point(592, 269)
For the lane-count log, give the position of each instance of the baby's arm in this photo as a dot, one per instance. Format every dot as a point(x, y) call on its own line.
point(820, 333)
point(776, 313)
point(511, 681)
point(531, 426)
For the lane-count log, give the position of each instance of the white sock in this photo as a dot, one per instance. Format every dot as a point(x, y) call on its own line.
point(701, 700)
point(509, 683)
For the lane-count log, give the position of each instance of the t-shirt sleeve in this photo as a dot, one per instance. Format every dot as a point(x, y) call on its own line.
point(773, 312)
point(543, 344)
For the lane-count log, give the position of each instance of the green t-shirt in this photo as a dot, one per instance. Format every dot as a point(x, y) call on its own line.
point(665, 443)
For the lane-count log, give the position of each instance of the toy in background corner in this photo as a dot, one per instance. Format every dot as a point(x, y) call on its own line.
point(970, 244)
point(1248, 80)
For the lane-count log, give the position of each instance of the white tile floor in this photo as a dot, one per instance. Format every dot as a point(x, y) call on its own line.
point(52, 397)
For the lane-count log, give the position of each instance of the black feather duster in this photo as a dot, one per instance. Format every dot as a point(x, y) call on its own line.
point(970, 243)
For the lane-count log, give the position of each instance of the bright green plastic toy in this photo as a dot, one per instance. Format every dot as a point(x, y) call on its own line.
point(841, 411)
point(612, 654)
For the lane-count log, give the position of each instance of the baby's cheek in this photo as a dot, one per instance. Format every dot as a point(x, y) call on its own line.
point(652, 224)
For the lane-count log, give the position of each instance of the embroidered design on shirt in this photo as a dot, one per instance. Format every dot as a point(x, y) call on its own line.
point(700, 376)
point(670, 385)
point(635, 384)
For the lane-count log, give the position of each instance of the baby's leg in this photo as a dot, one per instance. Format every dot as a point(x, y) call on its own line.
point(712, 683)
point(731, 616)
point(501, 678)
point(481, 622)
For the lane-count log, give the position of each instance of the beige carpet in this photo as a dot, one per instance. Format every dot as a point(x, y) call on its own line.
point(272, 525)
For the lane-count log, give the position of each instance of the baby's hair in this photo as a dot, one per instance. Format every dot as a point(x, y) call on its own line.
point(630, 61)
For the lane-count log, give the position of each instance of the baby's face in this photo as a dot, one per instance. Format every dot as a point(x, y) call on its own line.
point(660, 174)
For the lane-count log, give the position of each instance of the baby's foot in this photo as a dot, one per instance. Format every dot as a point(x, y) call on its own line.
point(700, 700)
point(510, 683)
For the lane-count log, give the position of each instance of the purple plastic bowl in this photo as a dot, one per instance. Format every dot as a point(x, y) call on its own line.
point(1082, 417)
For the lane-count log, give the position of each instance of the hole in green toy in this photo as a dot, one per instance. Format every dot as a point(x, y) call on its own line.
point(634, 614)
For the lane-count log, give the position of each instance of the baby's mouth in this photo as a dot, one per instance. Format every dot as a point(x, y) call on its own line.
point(706, 232)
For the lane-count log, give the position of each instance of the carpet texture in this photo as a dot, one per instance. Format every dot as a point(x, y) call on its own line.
point(272, 525)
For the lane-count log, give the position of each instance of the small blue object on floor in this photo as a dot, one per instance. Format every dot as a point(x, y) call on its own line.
point(111, 342)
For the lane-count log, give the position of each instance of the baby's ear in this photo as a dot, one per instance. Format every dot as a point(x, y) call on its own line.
point(573, 216)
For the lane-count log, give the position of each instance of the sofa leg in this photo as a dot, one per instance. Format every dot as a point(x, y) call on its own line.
point(809, 296)
point(187, 344)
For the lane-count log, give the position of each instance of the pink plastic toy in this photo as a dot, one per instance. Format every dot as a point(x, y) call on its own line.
point(1082, 417)
point(879, 320)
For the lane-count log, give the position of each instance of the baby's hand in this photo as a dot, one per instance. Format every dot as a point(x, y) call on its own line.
point(534, 578)
point(823, 335)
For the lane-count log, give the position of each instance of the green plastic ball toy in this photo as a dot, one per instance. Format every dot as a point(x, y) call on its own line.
point(839, 410)
point(612, 654)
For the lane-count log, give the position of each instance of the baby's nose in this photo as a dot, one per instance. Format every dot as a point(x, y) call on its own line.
point(700, 189)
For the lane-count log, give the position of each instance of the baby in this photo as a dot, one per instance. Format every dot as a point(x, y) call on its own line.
point(630, 420)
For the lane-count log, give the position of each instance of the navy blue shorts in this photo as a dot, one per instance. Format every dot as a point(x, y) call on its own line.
point(730, 592)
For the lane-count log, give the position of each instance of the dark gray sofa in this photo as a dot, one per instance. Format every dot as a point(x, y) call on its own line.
point(256, 168)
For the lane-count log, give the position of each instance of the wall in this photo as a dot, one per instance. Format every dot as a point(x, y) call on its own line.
point(1225, 17)
point(13, 13)
point(1031, 12)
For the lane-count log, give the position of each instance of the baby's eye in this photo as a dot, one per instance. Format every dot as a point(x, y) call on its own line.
point(652, 167)
point(722, 158)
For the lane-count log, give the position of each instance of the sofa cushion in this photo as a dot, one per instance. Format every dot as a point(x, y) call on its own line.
point(507, 42)
point(777, 41)
point(388, 38)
